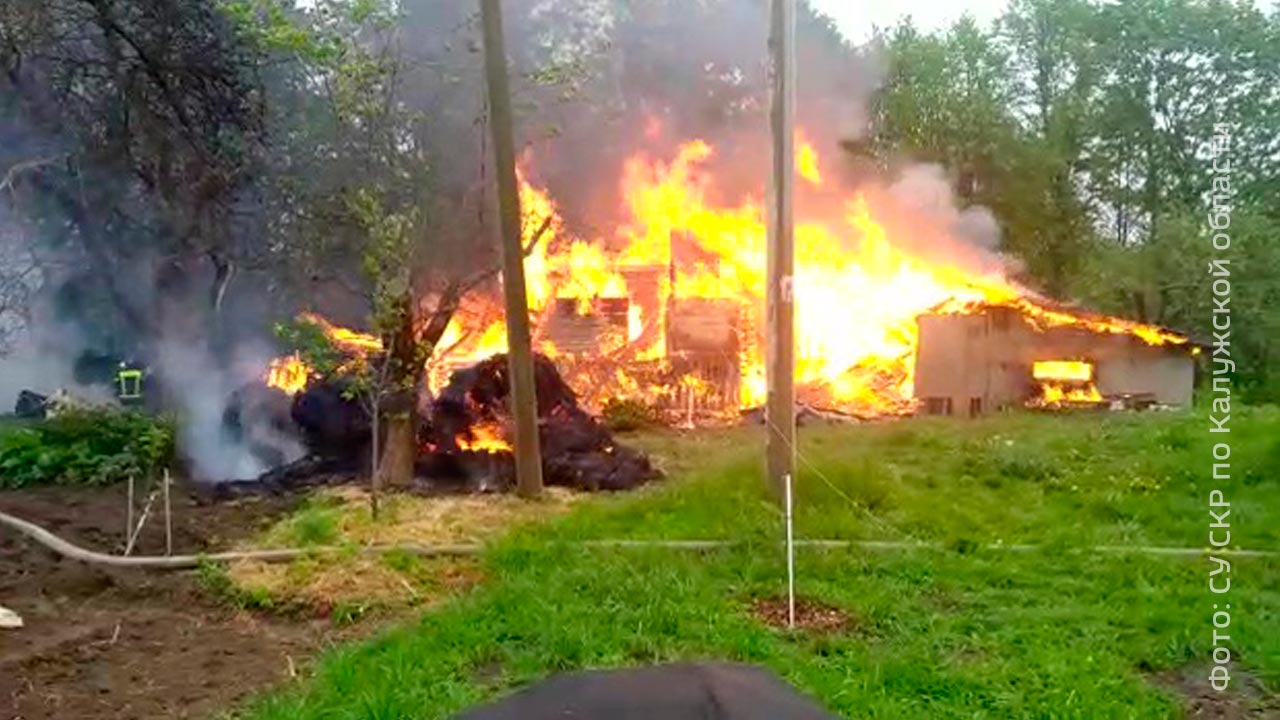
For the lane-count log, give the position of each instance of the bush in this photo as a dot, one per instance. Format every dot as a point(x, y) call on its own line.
point(621, 415)
point(315, 526)
point(85, 447)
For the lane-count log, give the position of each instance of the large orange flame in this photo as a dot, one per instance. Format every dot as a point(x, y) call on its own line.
point(1069, 370)
point(345, 338)
point(483, 438)
point(858, 293)
point(287, 374)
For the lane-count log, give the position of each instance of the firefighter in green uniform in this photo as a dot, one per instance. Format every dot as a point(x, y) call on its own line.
point(129, 384)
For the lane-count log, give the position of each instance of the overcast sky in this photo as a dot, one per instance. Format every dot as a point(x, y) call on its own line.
point(856, 18)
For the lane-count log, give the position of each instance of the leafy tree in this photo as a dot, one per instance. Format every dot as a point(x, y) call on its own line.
point(1085, 127)
point(141, 126)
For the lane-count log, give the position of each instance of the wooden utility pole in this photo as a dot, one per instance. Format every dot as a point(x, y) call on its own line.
point(519, 344)
point(780, 409)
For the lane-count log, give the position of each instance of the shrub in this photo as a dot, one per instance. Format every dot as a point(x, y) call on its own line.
point(85, 447)
point(316, 525)
point(624, 415)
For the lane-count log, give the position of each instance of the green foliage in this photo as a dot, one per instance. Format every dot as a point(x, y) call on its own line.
point(1085, 127)
point(213, 579)
point(313, 526)
point(403, 562)
point(626, 414)
point(388, 262)
point(348, 613)
point(323, 41)
point(308, 339)
point(86, 447)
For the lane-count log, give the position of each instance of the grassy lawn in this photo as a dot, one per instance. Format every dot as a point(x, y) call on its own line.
point(9, 423)
point(959, 631)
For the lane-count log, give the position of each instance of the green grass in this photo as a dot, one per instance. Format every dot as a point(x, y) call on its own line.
point(1056, 633)
point(314, 525)
point(10, 423)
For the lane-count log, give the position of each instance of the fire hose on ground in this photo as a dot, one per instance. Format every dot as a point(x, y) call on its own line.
point(184, 562)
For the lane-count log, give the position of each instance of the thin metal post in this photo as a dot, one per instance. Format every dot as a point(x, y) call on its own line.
point(128, 515)
point(168, 516)
point(791, 559)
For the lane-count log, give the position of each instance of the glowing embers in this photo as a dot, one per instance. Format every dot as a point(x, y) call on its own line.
point(483, 437)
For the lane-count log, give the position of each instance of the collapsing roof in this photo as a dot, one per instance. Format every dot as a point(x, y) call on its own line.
point(978, 358)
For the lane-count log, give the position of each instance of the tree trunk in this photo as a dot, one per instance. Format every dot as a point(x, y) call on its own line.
point(375, 479)
point(400, 446)
point(399, 452)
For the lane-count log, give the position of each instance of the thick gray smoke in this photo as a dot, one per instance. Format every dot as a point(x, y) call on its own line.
point(37, 351)
point(673, 72)
point(52, 318)
point(970, 235)
point(193, 383)
point(202, 389)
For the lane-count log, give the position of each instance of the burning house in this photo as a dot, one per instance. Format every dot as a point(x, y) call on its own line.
point(983, 357)
point(899, 309)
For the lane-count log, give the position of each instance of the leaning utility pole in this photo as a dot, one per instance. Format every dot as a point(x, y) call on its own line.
point(780, 410)
point(519, 345)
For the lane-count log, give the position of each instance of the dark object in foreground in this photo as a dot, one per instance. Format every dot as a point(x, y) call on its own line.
point(686, 691)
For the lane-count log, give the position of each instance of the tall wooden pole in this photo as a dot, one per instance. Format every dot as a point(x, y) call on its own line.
point(519, 344)
point(780, 410)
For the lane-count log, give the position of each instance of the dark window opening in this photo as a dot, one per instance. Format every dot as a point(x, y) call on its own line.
point(937, 406)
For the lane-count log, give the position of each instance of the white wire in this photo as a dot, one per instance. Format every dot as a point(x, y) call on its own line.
point(801, 457)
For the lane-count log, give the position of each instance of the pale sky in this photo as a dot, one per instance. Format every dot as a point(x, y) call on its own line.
point(856, 18)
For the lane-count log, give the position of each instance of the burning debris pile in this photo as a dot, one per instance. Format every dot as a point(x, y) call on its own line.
point(471, 420)
point(463, 441)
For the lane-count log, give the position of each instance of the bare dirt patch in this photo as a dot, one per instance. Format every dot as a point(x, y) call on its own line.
point(100, 643)
point(1246, 699)
point(813, 616)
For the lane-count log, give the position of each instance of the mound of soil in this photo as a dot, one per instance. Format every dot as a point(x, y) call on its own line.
point(811, 615)
point(1245, 699)
point(106, 643)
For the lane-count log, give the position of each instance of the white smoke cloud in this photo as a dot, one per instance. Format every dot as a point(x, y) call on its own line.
point(202, 390)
